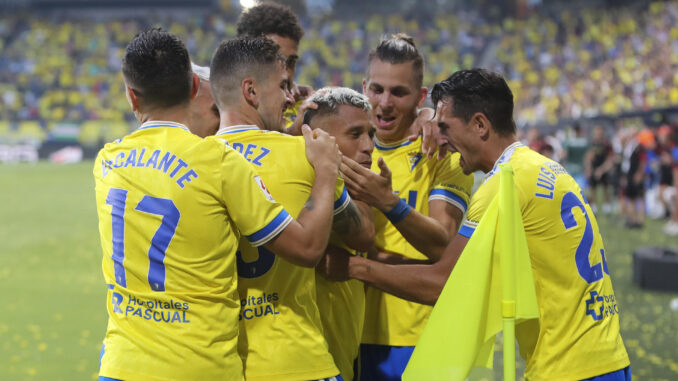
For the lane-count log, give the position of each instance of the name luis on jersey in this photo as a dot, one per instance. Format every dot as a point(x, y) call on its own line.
point(158, 160)
point(546, 180)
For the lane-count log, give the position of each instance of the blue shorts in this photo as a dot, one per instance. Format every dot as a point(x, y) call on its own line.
point(383, 362)
point(617, 375)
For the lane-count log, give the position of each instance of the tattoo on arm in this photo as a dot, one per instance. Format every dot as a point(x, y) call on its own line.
point(348, 220)
point(308, 206)
point(309, 203)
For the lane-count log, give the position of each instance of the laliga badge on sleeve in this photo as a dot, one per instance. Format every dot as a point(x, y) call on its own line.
point(263, 188)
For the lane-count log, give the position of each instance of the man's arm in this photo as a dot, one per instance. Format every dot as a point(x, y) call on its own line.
point(355, 226)
point(395, 259)
point(421, 283)
point(428, 234)
point(303, 241)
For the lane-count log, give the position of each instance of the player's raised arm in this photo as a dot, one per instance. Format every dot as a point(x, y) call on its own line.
point(303, 241)
point(355, 226)
point(344, 114)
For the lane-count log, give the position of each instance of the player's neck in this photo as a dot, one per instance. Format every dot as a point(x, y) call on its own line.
point(177, 114)
point(237, 117)
point(495, 149)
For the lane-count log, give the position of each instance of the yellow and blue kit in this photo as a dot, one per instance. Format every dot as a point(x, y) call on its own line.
point(172, 208)
point(281, 334)
point(342, 312)
point(389, 320)
point(577, 333)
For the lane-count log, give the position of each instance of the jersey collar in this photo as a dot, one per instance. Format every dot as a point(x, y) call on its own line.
point(162, 123)
point(237, 128)
point(504, 158)
point(381, 146)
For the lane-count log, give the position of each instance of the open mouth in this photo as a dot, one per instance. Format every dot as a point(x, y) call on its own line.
point(385, 121)
point(367, 164)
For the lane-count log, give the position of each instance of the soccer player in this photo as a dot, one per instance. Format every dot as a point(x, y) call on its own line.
point(281, 332)
point(577, 334)
point(171, 208)
point(204, 113)
point(280, 24)
point(344, 114)
point(418, 219)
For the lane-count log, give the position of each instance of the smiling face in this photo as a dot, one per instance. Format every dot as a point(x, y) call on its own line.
point(394, 98)
point(274, 99)
point(352, 130)
point(460, 135)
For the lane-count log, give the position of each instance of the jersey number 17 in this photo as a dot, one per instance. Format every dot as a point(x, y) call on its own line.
point(117, 198)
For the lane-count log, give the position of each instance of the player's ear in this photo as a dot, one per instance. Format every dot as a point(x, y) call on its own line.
point(195, 83)
point(365, 86)
point(481, 125)
point(132, 98)
point(423, 92)
point(249, 91)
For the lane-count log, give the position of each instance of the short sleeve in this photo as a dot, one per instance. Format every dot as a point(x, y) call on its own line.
point(479, 204)
point(341, 197)
point(451, 184)
point(251, 206)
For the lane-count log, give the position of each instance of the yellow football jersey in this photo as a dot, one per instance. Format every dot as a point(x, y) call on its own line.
point(577, 334)
point(281, 335)
point(171, 210)
point(390, 320)
point(342, 312)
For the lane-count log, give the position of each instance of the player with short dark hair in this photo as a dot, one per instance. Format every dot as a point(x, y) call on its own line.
point(281, 331)
point(270, 18)
point(480, 91)
point(421, 200)
point(171, 208)
point(169, 82)
point(576, 337)
point(280, 24)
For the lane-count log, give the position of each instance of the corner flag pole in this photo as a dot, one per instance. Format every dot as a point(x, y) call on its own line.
point(508, 271)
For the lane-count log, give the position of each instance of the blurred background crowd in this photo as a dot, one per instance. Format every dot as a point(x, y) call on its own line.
point(596, 87)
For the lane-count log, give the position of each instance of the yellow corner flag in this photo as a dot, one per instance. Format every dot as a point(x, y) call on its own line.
point(461, 330)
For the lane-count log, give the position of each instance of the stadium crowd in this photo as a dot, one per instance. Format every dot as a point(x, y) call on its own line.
point(582, 62)
point(561, 64)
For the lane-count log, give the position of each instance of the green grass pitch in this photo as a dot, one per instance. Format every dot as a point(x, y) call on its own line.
point(52, 293)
